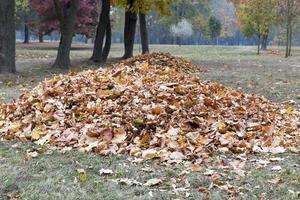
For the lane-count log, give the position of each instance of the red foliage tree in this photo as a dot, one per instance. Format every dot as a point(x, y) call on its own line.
point(69, 17)
point(86, 19)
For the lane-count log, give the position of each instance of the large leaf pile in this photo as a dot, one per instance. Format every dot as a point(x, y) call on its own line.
point(146, 109)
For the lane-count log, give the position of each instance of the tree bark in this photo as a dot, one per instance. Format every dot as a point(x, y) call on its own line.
point(288, 29)
point(258, 44)
point(67, 26)
point(264, 42)
point(26, 33)
point(287, 41)
point(41, 37)
point(290, 40)
point(107, 45)
point(7, 37)
point(129, 31)
point(103, 25)
point(144, 33)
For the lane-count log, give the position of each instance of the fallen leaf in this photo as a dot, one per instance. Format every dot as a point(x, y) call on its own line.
point(177, 156)
point(106, 135)
point(82, 175)
point(119, 136)
point(153, 182)
point(277, 150)
point(196, 168)
point(275, 180)
point(202, 189)
point(209, 172)
point(30, 155)
point(150, 154)
point(105, 172)
point(127, 181)
point(276, 168)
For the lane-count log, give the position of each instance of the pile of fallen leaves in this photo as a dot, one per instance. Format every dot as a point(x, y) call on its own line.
point(149, 111)
point(166, 60)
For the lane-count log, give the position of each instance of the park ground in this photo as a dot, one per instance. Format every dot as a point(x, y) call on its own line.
point(54, 175)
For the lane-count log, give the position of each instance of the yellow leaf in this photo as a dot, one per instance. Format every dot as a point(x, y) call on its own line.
point(83, 177)
point(104, 92)
point(182, 140)
point(289, 110)
point(36, 134)
point(145, 139)
point(221, 126)
point(138, 122)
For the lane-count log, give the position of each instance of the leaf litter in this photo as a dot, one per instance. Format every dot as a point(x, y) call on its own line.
point(150, 106)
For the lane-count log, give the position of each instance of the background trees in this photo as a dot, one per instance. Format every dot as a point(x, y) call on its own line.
point(7, 36)
point(133, 8)
point(289, 10)
point(24, 15)
point(67, 16)
point(182, 29)
point(214, 27)
point(160, 21)
point(257, 17)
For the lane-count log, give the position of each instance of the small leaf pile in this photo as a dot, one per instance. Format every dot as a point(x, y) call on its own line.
point(146, 110)
point(166, 60)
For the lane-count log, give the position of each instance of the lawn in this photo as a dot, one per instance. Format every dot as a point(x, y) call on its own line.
point(57, 175)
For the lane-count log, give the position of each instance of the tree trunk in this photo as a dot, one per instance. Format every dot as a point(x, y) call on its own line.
point(258, 44)
point(178, 38)
point(104, 20)
point(288, 29)
point(7, 36)
point(26, 33)
point(41, 37)
point(129, 31)
point(144, 33)
point(287, 40)
point(264, 42)
point(290, 40)
point(67, 26)
point(107, 45)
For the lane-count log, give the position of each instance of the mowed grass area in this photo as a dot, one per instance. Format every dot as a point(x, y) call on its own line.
point(54, 175)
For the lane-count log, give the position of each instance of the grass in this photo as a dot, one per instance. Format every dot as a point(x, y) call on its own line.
point(53, 175)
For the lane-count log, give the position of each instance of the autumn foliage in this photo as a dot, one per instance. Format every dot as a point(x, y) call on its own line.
point(86, 21)
point(150, 107)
